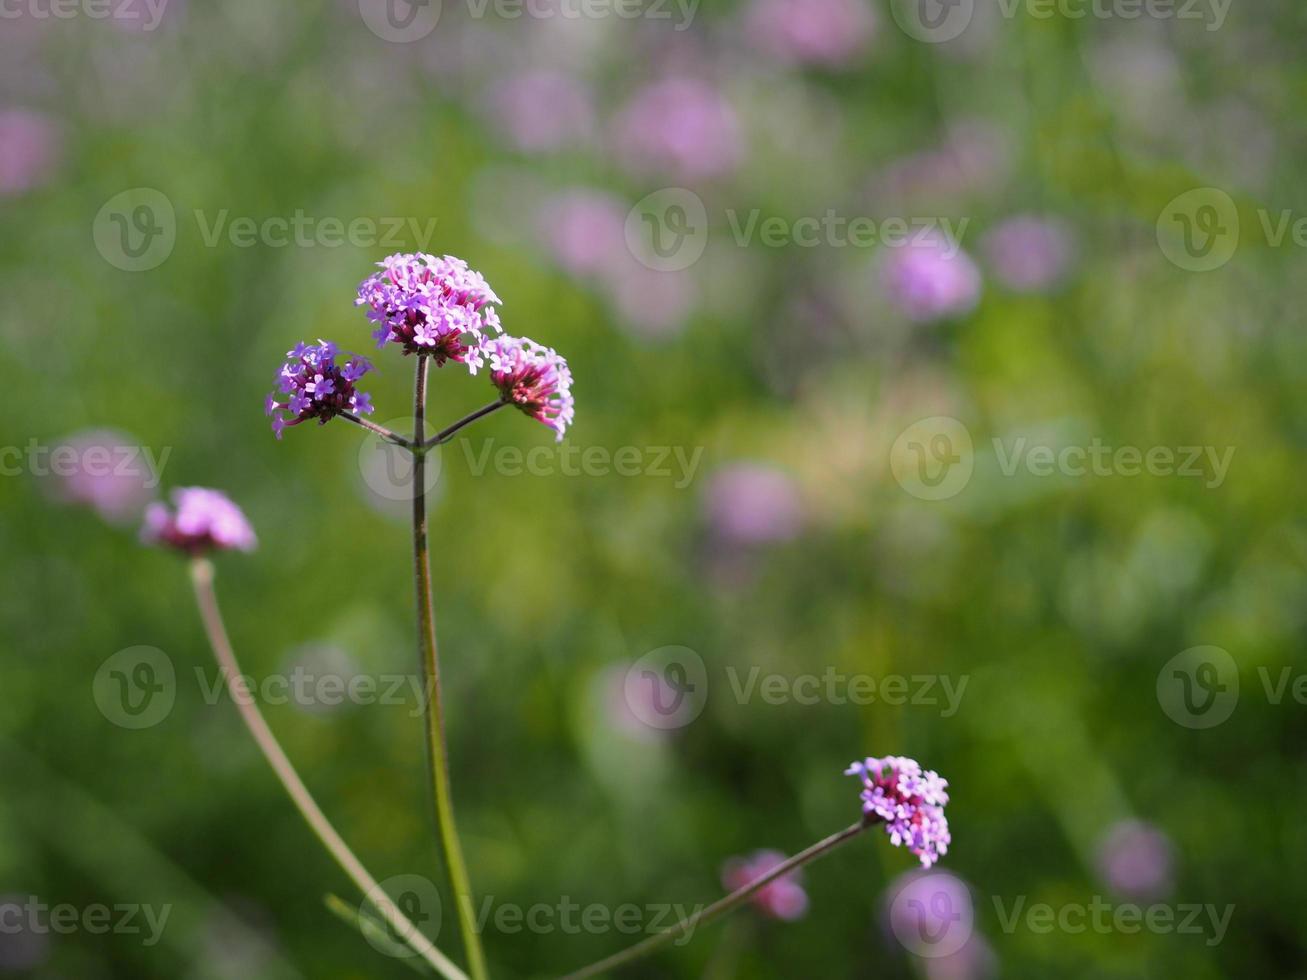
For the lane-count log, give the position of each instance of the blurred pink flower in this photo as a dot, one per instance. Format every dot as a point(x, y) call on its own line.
point(930, 278)
point(815, 32)
point(651, 304)
point(972, 157)
point(753, 503)
point(540, 111)
point(104, 470)
point(680, 127)
point(930, 914)
point(782, 899)
point(1029, 253)
point(1135, 860)
point(29, 150)
point(584, 230)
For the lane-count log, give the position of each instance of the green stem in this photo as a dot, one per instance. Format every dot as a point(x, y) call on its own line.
point(207, 599)
point(435, 721)
point(386, 435)
point(719, 908)
point(444, 435)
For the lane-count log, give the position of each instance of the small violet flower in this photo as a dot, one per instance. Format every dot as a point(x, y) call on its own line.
point(317, 386)
point(533, 378)
point(199, 521)
point(782, 899)
point(430, 305)
point(909, 800)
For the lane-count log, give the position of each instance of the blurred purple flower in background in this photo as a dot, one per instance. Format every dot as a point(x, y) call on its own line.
point(651, 303)
point(1135, 860)
point(1029, 253)
point(199, 521)
point(931, 915)
point(30, 146)
point(680, 127)
point(318, 387)
point(973, 156)
point(541, 111)
point(583, 230)
point(107, 472)
point(753, 503)
point(909, 800)
point(828, 33)
point(930, 277)
point(782, 899)
point(534, 379)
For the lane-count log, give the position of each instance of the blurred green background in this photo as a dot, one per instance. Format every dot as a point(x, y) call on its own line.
point(805, 538)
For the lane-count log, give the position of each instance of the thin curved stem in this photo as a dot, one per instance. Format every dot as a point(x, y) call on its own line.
point(207, 599)
point(380, 430)
point(444, 435)
point(437, 753)
point(722, 906)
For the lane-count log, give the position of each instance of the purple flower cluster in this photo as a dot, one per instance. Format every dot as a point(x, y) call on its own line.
point(533, 378)
point(430, 305)
point(909, 800)
point(782, 899)
point(199, 521)
point(318, 387)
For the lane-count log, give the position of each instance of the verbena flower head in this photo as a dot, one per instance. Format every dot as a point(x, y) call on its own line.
point(199, 521)
point(429, 305)
point(782, 899)
point(318, 387)
point(909, 800)
point(534, 378)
